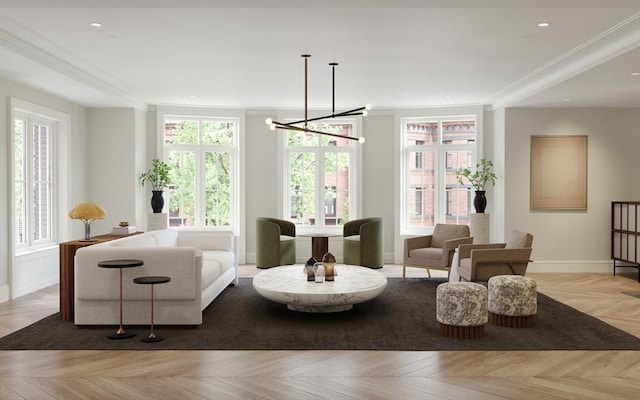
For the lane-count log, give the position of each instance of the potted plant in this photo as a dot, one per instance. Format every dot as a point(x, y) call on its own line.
point(478, 179)
point(158, 177)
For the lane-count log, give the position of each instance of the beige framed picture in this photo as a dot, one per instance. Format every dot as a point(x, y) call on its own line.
point(559, 172)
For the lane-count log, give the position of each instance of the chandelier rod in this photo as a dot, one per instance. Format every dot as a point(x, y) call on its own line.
point(292, 125)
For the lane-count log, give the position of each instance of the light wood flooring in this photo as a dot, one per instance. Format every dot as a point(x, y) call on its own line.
point(334, 375)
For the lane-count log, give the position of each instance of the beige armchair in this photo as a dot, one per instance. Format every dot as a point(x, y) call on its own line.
point(435, 251)
point(275, 242)
point(363, 242)
point(479, 262)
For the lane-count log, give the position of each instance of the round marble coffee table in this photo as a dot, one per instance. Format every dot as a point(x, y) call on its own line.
point(288, 285)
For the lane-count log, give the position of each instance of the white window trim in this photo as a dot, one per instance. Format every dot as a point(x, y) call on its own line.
point(355, 196)
point(238, 192)
point(60, 139)
point(402, 115)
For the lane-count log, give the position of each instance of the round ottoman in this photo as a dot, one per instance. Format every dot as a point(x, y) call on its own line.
point(461, 309)
point(513, 301)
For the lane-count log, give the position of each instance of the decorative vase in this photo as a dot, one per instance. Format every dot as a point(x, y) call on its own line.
point(480, 201)
point(157, 201)
point(309, 268)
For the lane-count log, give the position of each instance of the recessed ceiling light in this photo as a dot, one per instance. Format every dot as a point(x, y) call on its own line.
point(566, 99)
point(96, 24)
point(544, 24)
point(635, 73)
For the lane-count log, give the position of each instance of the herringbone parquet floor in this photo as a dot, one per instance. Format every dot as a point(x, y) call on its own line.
point(333, 375)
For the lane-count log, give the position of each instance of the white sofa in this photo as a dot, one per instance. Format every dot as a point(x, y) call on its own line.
point(201, 264)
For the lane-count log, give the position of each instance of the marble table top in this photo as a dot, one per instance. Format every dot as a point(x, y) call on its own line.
point(288, 285)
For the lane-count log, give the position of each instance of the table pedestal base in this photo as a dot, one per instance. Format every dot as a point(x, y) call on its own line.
point(319, 309)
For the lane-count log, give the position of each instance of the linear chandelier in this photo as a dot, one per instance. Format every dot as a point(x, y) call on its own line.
point(295, 125)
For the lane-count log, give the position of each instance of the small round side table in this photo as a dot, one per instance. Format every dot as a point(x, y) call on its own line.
point(120, 264)
point(152, 280)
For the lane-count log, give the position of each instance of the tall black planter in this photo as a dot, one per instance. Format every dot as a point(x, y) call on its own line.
point(157, 201)
point(480, 201)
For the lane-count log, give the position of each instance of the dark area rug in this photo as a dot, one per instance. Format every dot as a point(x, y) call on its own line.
point(401, 318)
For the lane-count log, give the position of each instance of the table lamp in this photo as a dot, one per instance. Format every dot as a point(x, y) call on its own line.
point(87, 213)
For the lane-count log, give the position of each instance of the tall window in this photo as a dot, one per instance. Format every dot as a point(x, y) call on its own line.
point(33, 180)
point(320, 175)
point(203, 154)
point(432, 150)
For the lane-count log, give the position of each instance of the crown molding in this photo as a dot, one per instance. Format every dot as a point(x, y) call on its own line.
point(34, 47)
point(613, 42)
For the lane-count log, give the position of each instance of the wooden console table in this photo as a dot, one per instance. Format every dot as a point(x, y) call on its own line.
point(67, 267)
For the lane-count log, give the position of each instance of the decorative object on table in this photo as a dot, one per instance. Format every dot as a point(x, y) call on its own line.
point(329, 264)
point(123, 230)
point(158, 177)
point(296, 125)
point(87, 213)
point(309, 269)
point(478, 179)
point(152, 280)
point(123, 223)
point(319, 272)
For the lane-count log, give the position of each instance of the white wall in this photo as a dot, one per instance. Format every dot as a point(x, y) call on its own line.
point(566, 241)
point(112, 175)
point(46, 262)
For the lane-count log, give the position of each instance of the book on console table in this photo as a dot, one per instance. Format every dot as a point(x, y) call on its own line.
point(123, 230)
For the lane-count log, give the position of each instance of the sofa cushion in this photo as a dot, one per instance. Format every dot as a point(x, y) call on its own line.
point(143, 240)
point(165, 237)
point(211, 270)
point(205, 240)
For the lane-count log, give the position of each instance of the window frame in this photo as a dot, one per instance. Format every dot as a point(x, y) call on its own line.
point(403, 152)
point(59, 124)
point(355, 172)
point(200, 150)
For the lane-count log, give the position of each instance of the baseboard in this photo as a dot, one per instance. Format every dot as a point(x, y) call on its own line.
point(576, 266)
point(4, 293)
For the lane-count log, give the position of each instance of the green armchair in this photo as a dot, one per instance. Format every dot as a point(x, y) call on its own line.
point(275, 242)
point(362, 242)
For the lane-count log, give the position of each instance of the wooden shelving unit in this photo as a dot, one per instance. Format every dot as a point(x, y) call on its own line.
point(625, 235)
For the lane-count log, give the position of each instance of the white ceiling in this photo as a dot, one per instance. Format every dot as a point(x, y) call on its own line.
point(391, 53)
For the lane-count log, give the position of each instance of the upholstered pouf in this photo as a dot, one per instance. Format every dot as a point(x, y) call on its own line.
point(513, 301)
point(461, 309)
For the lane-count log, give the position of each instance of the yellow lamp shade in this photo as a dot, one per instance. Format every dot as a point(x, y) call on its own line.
point(87, 212)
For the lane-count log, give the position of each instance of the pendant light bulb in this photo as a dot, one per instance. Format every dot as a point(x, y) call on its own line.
point(361, 139)
point(268, 121)
point(367, 106)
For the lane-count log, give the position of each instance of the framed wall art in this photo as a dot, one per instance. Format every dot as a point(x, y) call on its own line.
point(559, 172)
